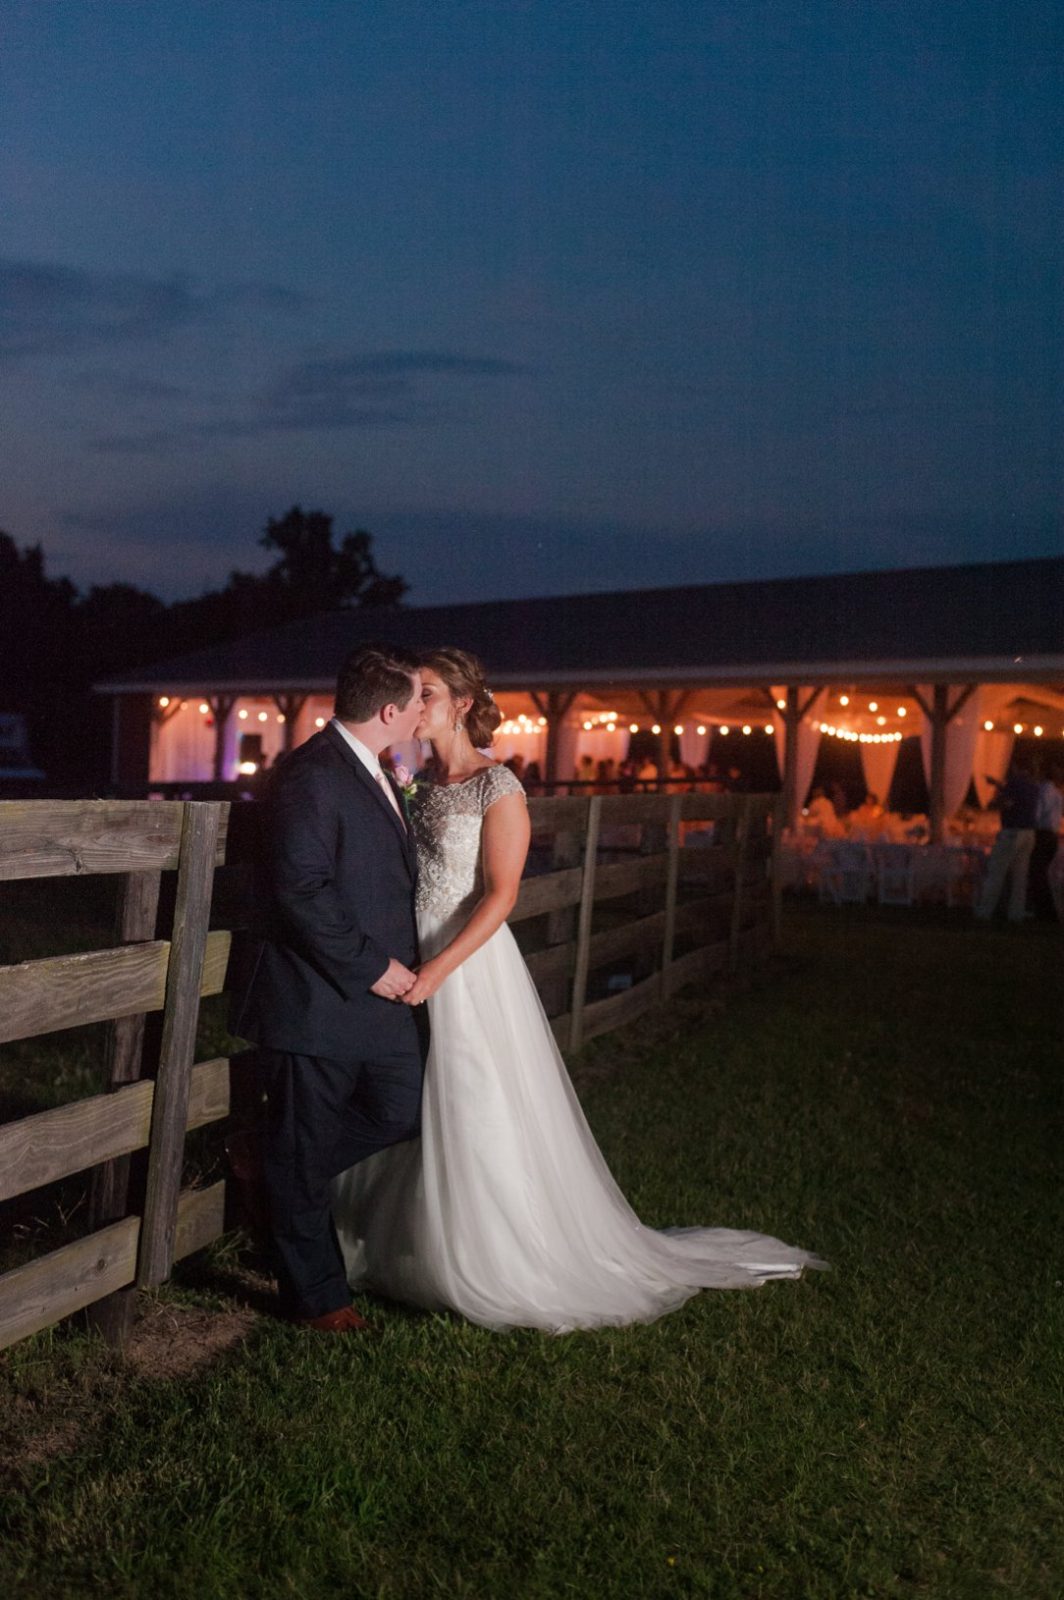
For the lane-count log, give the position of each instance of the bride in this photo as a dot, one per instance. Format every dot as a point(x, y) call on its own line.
point(505, 1210)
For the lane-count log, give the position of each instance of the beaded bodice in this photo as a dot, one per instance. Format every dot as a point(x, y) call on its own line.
point(447, 820)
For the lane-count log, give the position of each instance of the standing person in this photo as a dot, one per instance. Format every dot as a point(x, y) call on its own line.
point(341, 1058)
point(1046, 842)
point(1017, 800)
point(505, 1211)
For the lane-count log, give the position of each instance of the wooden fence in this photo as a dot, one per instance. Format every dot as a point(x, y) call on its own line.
point(628, 899)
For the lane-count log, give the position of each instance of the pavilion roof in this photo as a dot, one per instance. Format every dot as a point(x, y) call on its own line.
point(991, 621)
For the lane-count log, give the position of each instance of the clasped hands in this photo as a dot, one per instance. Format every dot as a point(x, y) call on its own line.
point(397, 982)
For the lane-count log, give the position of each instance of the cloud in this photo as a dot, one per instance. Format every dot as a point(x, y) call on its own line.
point(47, 309)
point(386, 389)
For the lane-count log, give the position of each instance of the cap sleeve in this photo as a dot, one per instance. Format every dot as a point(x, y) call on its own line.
point(497, 782)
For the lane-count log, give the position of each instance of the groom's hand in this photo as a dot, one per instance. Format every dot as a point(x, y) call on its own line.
point(394, 981)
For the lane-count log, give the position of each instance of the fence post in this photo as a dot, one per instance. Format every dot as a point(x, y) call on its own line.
point(776, 869)
point(742, 835)
point(195, 877)
point(671, 881)
point(583, 927)
point(138, 908)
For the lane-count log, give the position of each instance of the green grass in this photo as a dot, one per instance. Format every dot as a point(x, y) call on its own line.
point(889, 1095)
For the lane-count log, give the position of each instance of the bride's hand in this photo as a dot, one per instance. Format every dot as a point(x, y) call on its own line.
point(426, 983)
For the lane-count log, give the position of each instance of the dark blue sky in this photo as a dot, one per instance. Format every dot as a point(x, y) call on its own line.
point(552, 295)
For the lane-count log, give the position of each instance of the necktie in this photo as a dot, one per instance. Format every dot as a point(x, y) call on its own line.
point(390, 792)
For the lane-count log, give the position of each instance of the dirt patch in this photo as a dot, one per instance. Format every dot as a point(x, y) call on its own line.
point(174, 1341)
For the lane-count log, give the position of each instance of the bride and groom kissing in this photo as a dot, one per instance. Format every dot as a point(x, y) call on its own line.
point(422, 1138)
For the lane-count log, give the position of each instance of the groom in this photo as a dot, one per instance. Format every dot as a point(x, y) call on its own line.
point(340, 1053)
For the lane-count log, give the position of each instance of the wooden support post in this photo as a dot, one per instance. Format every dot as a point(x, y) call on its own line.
point(289, 705)
point(672, 879)
point(557, 704)
point(221, 708)
point(195, 877)
point(792, 714)
point(742, 836)
point(138, 908)
point(583, 929)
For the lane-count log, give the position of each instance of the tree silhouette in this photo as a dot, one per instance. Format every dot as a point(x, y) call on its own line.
point(55, 644)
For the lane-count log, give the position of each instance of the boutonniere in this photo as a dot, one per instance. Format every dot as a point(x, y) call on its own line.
point(406, 781)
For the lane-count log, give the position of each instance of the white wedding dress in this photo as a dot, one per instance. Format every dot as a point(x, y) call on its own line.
point(505, 1210)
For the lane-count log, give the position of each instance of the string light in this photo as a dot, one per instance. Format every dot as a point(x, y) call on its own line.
point(844, 699)
point(204, 708)
point(1017, 727)
point(769, 728)
point(852, 737)
point(263, 717)
point(164, 701)
point(873, 705)
point(242, 715)
point(725, 729)
point(656, 728)
point(902, 711)
point(988, 727)
point(1038, 731)
point(701, 727)
point(633, 727)
point(319, 722)
point(747, 728)
point(678, 728)
point(781, 705)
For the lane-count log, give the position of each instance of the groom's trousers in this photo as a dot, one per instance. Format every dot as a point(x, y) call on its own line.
point(323, 1117)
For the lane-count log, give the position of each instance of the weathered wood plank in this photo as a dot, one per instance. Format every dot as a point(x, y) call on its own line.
point(560, 1030)
point(51, 1145)
point(548, 892)
point(200, 1219)
point(64, 838)
point(672, 876)
point(603, 1015)
point(561, 814)
point(556, 961)
point(618, 808)
point(68, 991)
point(43, 1292)
point(696, 966)
point(583, 928)
point(622, 877)
point(59, 992)
point(642, 934)
point(742, 836)
point(183, 984)
point(138, 910)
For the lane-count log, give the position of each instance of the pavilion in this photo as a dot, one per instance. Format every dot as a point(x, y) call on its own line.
point(966, 656)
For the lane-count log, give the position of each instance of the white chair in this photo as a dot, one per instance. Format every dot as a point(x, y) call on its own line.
point(845, 872)
point(896, 873)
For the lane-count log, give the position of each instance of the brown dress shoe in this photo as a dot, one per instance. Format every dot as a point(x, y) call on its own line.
point(344, 1320)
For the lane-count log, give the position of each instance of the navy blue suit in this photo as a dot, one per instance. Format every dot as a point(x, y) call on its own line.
point(342, 1066)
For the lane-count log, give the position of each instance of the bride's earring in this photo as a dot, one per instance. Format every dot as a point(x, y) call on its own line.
point(458, 724)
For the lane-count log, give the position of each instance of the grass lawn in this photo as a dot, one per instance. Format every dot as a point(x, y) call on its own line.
point(889, 1095)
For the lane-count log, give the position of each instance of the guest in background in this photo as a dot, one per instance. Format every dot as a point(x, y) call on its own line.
point(516, 765)
point(840, 800)
point(648, 771)
point(533, 776)
point(822, 815)
point(626, 775)
point(1017, 800)
point(867, 820)
point(605, 776)
point(1046, 842)
point(585, 772)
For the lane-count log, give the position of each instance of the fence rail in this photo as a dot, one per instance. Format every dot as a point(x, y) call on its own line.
point(628, 899)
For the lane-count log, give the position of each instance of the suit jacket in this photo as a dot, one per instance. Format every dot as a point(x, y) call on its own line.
point(334, 902)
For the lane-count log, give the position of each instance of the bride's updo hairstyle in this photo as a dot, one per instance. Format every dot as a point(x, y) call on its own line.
point(464, 677)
